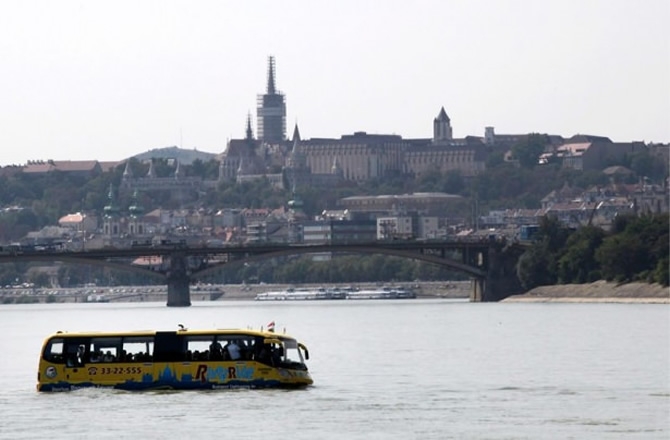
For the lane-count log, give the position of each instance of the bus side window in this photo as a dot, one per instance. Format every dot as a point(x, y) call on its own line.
point(54, 351)
point(137, 348)
point(106, 349)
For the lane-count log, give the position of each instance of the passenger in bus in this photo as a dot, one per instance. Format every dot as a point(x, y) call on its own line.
point(96, 356)
point(108, 357)
point(215, 351)
point(74, 356)
point(264, 354)
point(277, 354)
point(245, 349)
point(233, 350)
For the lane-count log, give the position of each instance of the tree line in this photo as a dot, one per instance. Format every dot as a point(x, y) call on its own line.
point(635, 249)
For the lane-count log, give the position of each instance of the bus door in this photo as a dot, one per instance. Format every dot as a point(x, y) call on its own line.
point(75, 353)
point(169, 353)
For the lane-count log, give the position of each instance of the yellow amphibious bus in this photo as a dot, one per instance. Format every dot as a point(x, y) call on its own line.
point(183, 359)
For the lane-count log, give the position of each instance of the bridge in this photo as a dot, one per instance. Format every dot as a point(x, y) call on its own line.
point(490, 263)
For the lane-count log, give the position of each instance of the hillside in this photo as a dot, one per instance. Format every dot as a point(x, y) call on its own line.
point(184, 156)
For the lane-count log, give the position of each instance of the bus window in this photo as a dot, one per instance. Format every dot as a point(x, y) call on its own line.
point(291, 352)
point(200, 348)
point(106, 349)
point(138, 348)
point(237, 347)
point(54, 351)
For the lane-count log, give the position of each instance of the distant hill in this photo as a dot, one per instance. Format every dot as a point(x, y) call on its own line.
point(184, 156)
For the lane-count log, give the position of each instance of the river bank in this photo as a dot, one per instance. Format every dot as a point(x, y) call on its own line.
point(210, 292)
point(599, 291)
point(437, 289)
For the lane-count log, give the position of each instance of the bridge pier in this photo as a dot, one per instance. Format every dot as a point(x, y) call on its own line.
point(477, 292)
point(501, 279)
point(178, 282)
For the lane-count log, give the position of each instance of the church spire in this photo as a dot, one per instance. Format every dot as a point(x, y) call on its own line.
point(127, 172)
point(250, 132)
point(111, 209)
point(135, 209)
point(271, 76)
point(296, 134)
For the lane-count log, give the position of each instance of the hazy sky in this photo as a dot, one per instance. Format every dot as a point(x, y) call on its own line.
point(107, 80)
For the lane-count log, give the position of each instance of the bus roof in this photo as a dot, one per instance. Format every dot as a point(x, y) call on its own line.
point(187, 332)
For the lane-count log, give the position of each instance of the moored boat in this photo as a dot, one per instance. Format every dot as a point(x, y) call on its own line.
point(183, 359)
point(291, 294)
point(323, 293)
point(383, 293)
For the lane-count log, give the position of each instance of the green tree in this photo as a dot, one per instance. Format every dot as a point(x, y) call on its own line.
point(205, 170)
point(539, 265)
point(578, 263)
point(453, 182)
point(662, 272)
point(621, 257)
point(644, 164)
point(534, 268)
point(528, 150)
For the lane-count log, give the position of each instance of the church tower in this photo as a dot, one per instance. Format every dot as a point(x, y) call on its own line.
point(135, 224)
point(442, 127)
point(112, 222)
point(271, 111)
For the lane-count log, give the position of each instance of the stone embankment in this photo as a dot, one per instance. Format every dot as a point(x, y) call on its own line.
point(599, 291)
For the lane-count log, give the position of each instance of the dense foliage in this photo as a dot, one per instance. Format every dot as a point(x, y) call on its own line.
point(637, 249)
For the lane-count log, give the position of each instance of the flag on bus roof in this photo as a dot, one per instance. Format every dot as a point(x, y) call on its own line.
point(271, 326)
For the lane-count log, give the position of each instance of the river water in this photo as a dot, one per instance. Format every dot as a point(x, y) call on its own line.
point(404, 369)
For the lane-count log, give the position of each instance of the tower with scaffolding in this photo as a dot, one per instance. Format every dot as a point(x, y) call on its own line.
point(271, 110)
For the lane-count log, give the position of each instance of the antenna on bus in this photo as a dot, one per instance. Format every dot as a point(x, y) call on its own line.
point(181, 327)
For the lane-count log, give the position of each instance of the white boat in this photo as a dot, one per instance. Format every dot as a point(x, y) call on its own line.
point(383, 293)
point(323, 293)
point(301, 294)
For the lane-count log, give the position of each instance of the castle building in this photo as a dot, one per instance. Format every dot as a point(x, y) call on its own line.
point(357, 157)
point(443, 153)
